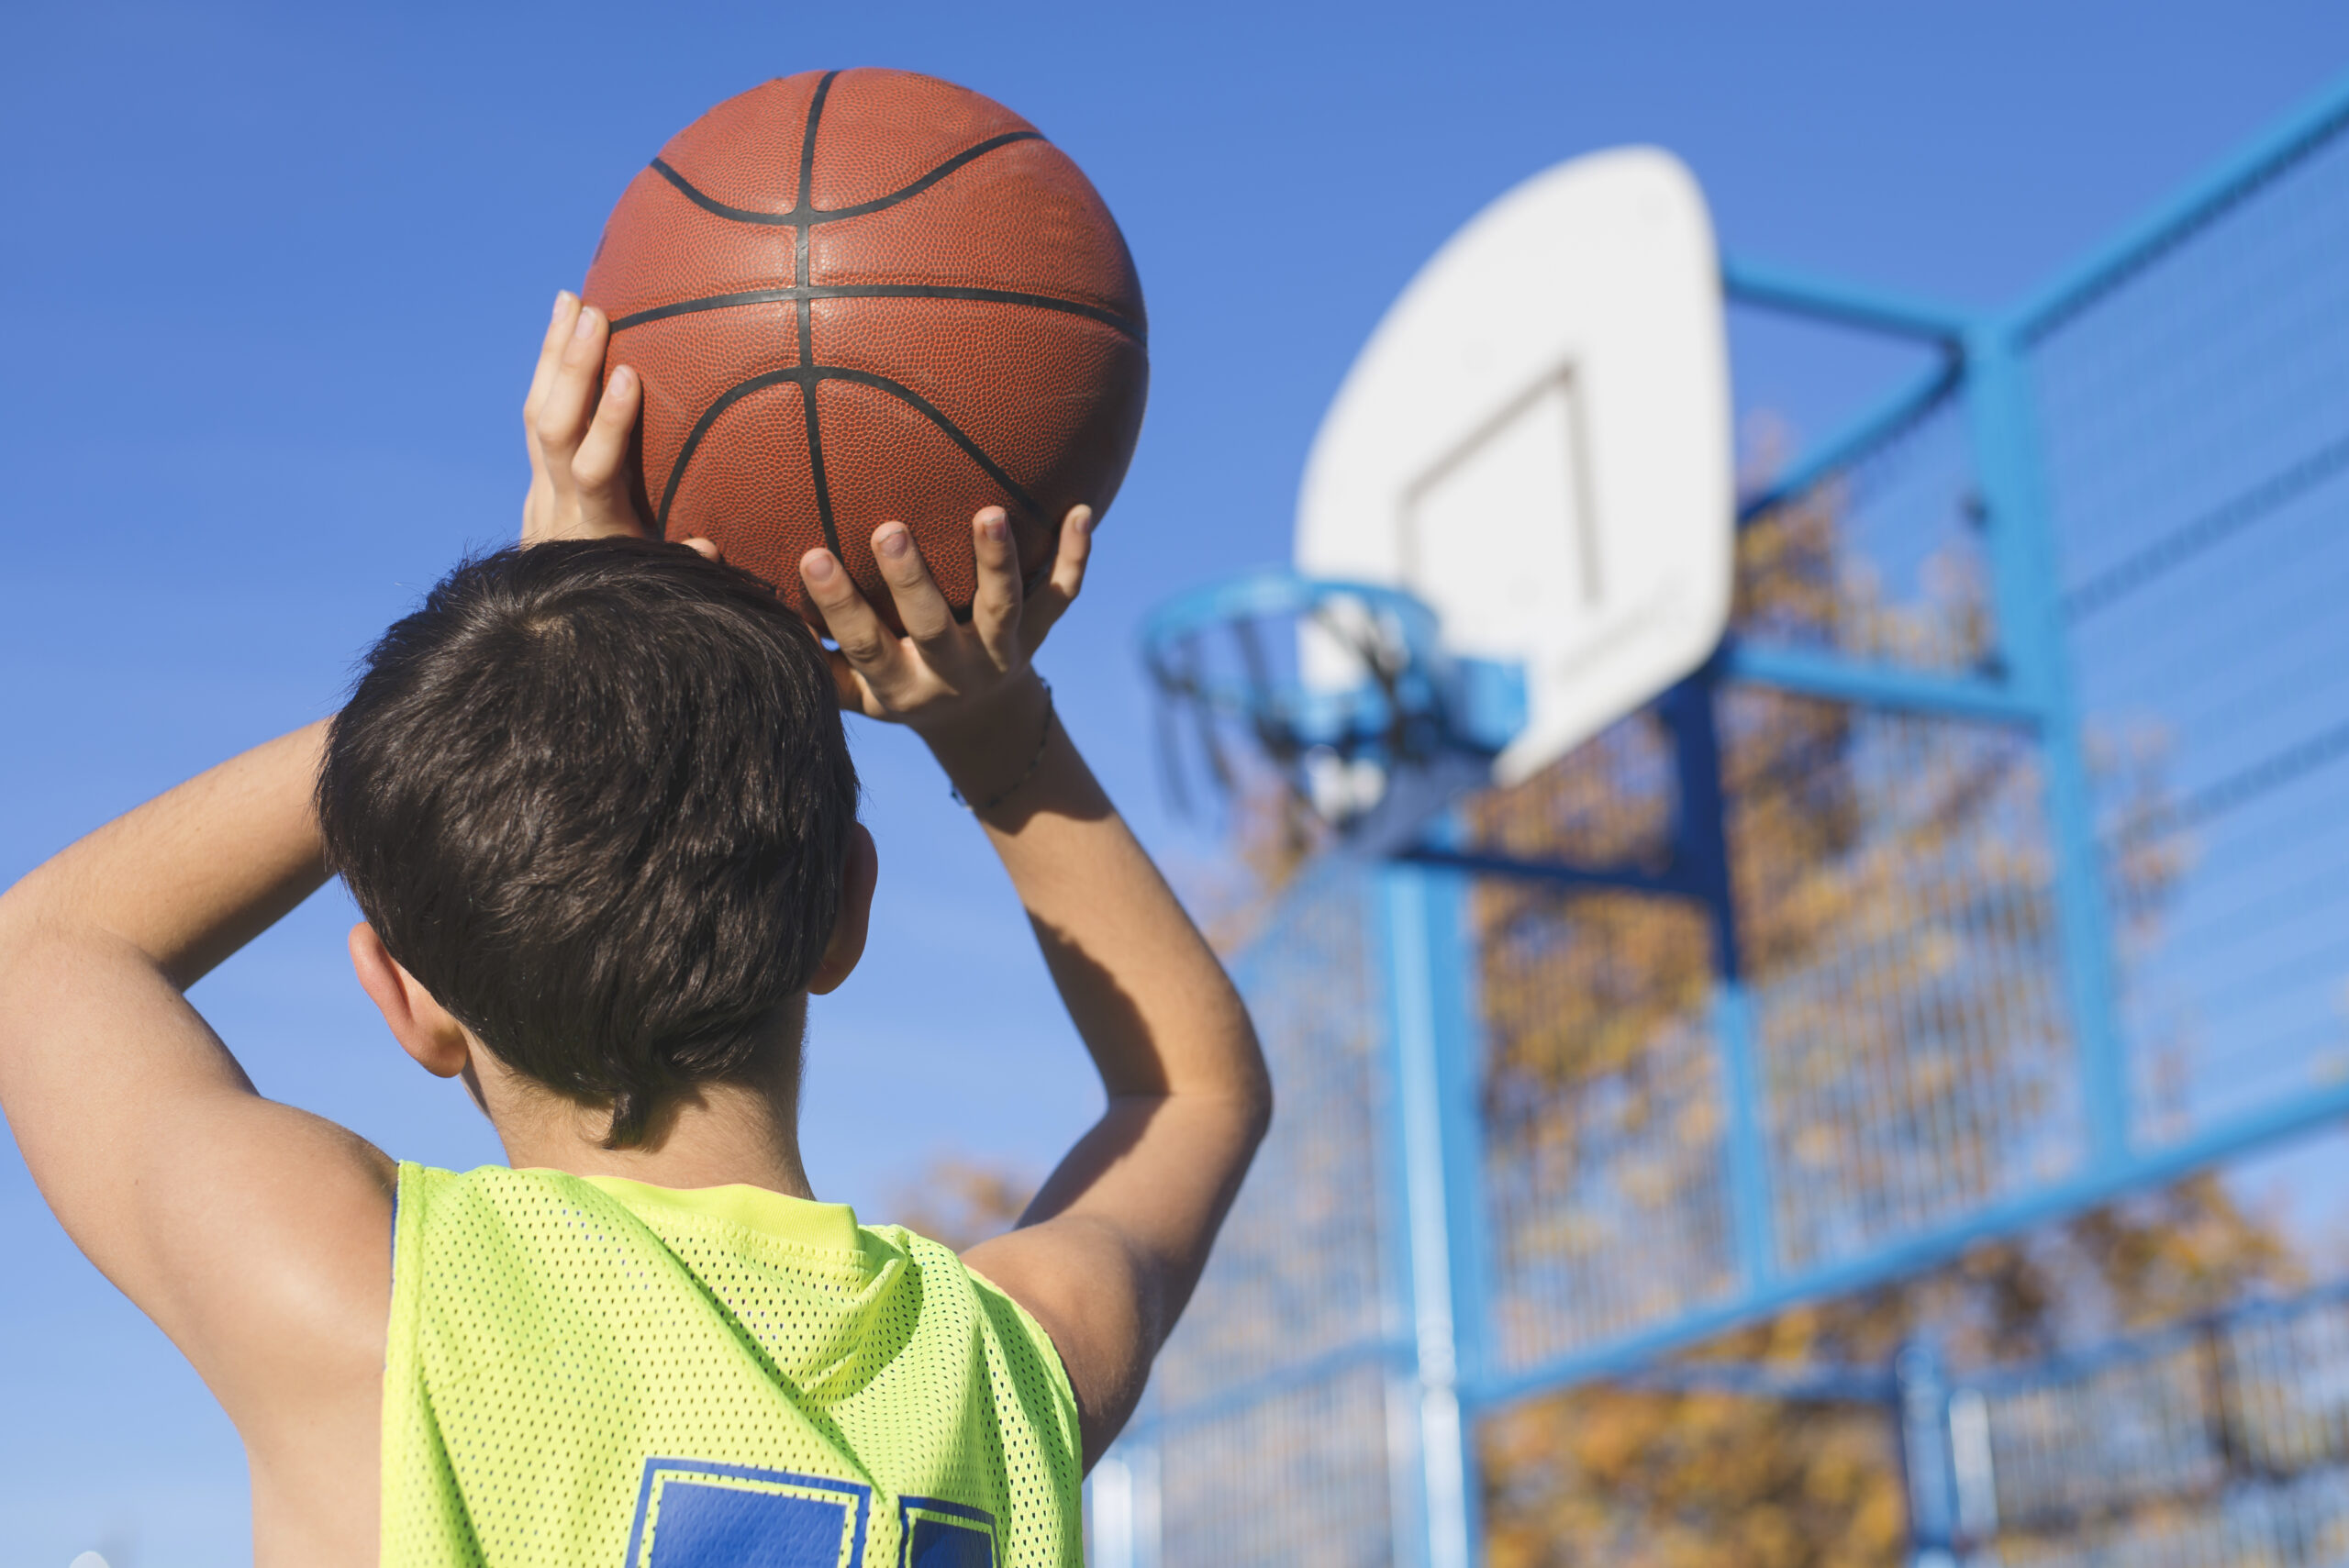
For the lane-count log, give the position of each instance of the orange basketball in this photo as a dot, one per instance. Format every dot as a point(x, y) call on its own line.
point(856, 296)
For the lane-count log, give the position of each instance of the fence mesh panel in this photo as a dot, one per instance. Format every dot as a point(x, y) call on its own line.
point(1601, 1091)
point(1296, 1479)
point(1879, 559)
point(1898, 932)
point(2224, 1442)
point(1273, 1444)
point(2195, 427)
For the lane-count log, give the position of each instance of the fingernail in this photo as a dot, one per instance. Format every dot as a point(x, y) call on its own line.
point(818, 565)
point(995, 528)
point(1081, 519)
point(893, 540)
point(562, 299)
point(586, 322)
point(623, 381)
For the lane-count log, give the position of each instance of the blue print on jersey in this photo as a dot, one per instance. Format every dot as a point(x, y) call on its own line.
point(691, 1513)
point(945, 1535)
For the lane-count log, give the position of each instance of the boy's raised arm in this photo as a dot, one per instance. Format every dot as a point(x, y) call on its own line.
point(254, 1234)
point(1111, 1250)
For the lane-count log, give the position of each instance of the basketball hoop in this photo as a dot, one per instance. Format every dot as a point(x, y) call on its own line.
point(1516, 524)
point(1343, 687)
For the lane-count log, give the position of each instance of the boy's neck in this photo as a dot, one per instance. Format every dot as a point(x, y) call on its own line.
point(743, 1131)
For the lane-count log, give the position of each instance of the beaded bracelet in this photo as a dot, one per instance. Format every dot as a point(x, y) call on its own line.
point(1028, 772)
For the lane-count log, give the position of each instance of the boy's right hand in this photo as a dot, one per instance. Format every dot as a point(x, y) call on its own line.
point(967, 687)
point(582, 485)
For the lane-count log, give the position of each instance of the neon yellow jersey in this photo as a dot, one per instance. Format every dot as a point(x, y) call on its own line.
point(584, 1371)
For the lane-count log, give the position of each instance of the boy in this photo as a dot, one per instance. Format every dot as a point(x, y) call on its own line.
point(594, 802)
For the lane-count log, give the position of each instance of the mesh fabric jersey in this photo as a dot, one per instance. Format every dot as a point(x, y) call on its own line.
point(589, 1371)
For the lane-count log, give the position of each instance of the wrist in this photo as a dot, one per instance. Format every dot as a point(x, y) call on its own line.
point(989, 753)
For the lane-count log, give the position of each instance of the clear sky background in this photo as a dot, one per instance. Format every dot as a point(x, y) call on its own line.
point(276, 274)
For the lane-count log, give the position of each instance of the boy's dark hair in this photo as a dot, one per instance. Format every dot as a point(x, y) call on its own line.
point(595, 797)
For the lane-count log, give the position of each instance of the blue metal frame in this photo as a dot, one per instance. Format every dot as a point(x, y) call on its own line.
point(1925, 1249)
point(1882, 686)
point(2031, 687)
point(1853, 305)
point(2032, 647)
point(1445, 1281)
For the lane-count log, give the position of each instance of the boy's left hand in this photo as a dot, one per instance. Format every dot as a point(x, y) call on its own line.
point(581, 483)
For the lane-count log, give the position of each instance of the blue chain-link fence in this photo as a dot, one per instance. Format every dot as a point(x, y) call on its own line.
point(2214, 1445)
point(1994, 867)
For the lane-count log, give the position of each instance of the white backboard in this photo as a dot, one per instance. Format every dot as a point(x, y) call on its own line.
point(1536, 441)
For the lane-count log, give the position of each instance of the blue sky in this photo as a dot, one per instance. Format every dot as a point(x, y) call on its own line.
point(278, 275)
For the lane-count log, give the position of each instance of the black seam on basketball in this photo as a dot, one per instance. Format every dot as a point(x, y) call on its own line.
point(808, 140)
point(807, 377)
point(711, 204)
point(815, 472)
point(859, 209)
point(717, 406)
point(952, 431)
point(801, 215)
point(710, 416)
point(802, 202)
point(802, 273)
point(880, 291)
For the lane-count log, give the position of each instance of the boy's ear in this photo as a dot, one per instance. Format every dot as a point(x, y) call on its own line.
point(422, 1026)
point(847, 945)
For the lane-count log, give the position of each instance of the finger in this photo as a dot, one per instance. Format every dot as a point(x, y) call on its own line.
point(570, 394)
point(854, 693)
point(566, 311)
point(1060, 591)
point(539, 504)
point(599, 468)
point(921, 609)
point(704, 549)
point(863, 640)
point(995, 608)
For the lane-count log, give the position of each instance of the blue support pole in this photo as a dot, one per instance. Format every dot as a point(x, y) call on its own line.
point(1121, 1525)
point(1925, 1456)
point(1700, 855)
point(2038, 668)
point(1424, 914)
point(1457, 1014)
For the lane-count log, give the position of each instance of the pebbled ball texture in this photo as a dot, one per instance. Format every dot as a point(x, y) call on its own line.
point(858, 297)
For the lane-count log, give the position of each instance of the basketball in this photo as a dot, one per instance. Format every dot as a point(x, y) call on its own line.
point(859, 296)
